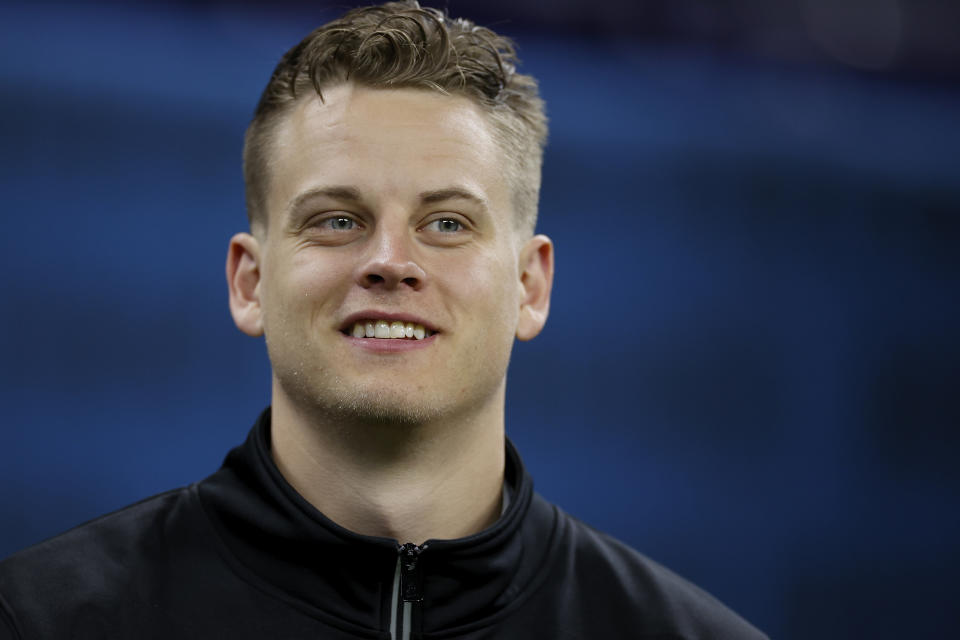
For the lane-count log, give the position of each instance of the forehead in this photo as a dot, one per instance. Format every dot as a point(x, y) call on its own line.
point(388, 144)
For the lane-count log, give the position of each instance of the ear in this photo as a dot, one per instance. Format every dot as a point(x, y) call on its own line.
point(243, 282)
point(536, 280)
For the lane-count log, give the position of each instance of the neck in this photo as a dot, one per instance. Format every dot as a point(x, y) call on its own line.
point(437, 480)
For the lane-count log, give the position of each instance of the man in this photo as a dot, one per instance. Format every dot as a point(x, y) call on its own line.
point(392, 171)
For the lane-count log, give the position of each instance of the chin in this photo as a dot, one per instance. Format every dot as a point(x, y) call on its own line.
point(363, 408)
point(346, 403)
point(383, 399)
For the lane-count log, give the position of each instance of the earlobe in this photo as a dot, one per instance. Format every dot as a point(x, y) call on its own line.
point(243, 283)
point(536, 279)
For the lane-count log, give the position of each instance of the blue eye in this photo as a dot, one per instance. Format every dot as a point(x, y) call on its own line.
point(340, 223)
point(445, 225)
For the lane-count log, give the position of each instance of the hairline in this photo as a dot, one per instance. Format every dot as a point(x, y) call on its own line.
point(267, 125)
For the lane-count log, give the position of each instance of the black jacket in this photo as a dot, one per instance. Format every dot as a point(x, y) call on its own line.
point(242, 555)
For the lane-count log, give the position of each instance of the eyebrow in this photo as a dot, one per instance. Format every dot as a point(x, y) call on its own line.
point(451, 193)
point(345, 193)
point(352, 194)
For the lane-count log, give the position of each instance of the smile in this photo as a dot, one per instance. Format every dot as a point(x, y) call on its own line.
point(395, 330)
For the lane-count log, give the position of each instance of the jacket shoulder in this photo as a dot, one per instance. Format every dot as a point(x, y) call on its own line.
point(98, 563)
point(653, 600)
point(105, 539)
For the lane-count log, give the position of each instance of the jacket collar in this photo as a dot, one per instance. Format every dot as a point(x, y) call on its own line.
point(276, 539)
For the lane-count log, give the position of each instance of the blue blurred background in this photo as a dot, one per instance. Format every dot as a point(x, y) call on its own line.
point(751, 368)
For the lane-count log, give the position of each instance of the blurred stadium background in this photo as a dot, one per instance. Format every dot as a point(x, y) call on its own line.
point(751, 369)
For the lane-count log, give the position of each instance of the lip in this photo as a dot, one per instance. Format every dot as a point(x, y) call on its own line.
point(389, 316)
point(390, 345)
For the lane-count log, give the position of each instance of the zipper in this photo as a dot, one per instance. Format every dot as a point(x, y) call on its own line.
point(407, 590)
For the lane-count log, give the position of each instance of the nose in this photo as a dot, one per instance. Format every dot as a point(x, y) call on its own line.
point(390, 263)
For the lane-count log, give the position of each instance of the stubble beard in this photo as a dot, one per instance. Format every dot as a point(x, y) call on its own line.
point(344, 404)
point(327, 398)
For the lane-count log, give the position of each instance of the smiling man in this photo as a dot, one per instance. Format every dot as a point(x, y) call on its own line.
point(390, 274)
point(392, 171)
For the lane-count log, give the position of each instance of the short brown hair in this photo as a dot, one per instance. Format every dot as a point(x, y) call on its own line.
point(404, 45)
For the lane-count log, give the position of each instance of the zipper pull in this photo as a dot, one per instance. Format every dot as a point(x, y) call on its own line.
point(411, 582)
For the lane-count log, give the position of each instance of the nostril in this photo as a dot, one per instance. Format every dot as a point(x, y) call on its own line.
point(389, 275)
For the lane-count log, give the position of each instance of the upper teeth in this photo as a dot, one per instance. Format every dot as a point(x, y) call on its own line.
point(384, 329)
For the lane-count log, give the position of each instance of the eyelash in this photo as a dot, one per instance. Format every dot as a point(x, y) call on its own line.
point(439, 221)
point(327, 224)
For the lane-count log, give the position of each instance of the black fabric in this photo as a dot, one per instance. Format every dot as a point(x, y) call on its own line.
point(242, 555)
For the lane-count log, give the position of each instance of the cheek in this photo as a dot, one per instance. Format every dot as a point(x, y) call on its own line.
point(304, 283)
point(316, 278)
point(494, 290)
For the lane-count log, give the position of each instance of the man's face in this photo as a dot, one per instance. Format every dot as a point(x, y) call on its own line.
point(390, 206)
